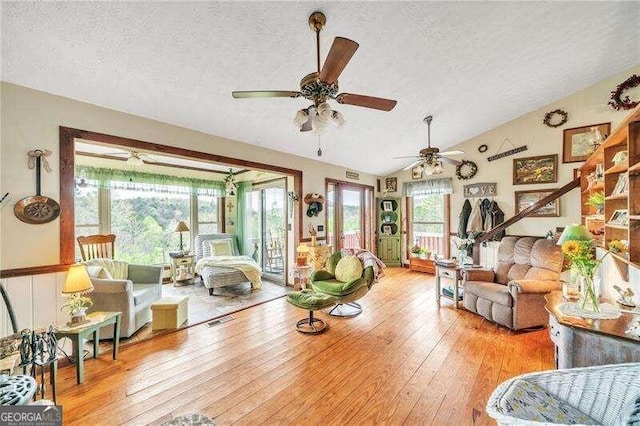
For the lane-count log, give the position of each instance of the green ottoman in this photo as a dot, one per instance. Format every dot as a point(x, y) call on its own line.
point(311, 301)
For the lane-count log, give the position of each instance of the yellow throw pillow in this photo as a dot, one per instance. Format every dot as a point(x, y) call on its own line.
point(348, 269)
point(220, 248)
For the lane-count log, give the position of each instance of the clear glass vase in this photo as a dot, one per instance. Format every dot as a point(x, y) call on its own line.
point(589, 299)
point(462, 256)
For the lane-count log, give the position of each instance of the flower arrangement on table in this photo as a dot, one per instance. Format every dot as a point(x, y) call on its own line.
point(581, 255)
point(464, 247)
point(77, 304)
point(418, 251)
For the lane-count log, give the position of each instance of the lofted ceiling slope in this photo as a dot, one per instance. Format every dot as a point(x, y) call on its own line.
point(473, 65)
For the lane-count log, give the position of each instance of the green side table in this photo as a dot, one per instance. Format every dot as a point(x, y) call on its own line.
point(81, 333)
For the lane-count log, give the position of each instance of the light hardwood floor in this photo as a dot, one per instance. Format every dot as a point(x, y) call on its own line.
point(402, 361)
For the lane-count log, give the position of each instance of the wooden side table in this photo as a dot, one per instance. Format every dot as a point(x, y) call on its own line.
point(79, 334)
point(422, 265)
point(581, 342)
point(452, 272)
point(177, 263)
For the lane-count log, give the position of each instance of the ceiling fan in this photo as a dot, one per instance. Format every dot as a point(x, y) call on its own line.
point(431, 158)
point(135, 158)
point(322, 85)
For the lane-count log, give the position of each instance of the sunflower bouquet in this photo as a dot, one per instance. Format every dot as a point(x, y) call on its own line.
point(580, 254)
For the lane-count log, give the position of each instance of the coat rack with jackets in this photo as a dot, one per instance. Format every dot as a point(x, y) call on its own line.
point(480, 217)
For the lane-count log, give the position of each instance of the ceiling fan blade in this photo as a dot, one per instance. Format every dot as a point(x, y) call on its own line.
point(265, 94)
point(451, 153)
point(450, 161)
point(414, 164)
point(366, 101)
point(115, 153)
point(408, 156)
point(340, 54)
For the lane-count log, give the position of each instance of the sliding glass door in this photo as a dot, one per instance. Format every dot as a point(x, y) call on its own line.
point(349, 215)
point(266, 227)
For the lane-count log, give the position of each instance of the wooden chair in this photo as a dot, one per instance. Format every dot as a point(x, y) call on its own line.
point(97, 246)
point(275, 246)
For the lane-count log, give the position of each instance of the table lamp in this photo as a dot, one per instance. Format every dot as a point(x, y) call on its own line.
point(181, 227)
point(76, 284)
point(574, 232)
point(303, 252)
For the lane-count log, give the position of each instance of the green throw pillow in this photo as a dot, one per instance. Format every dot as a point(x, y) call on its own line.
point(348, 269)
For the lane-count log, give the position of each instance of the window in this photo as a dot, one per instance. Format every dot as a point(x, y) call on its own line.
point(430, 222)
point(143, 222)
point(87, 214)
point(142, 210)
point(207, 216)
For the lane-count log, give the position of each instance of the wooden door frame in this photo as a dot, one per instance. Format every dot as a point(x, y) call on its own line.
point(338, 209)
point(67, 137)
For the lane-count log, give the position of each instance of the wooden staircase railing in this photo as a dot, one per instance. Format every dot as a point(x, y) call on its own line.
point(524, 213)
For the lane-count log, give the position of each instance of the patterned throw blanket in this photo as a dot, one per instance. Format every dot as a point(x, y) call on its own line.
point(245, 264)
point(368, 259)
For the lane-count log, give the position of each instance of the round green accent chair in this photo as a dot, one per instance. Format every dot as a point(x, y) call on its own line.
point(311, 301)
point(343, 280)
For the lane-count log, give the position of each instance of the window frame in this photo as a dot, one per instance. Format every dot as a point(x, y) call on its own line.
point(105, 216)
point(446, 223)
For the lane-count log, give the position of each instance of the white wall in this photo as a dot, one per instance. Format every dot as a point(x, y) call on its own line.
point(30, 119)
point(588, 106)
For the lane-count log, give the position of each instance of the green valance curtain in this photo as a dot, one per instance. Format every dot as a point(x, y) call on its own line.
point(427, 187)
point(141, 181)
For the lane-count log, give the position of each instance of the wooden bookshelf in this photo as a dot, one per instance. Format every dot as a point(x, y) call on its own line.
point(625, 137)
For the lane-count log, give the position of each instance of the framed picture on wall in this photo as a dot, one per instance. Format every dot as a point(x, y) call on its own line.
point(387, 206)
point(391, 184)
point(386, 229)
point(580, 142)
point(540, 169)
point(524, 199)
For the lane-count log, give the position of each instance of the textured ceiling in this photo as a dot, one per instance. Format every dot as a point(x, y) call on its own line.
point(472, 65)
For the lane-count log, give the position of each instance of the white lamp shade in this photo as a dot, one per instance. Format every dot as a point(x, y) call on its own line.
point(302, 248)
point(301, 117)
point(77, 281)
point(324, 110)
point(319, 124)
point(337, 118)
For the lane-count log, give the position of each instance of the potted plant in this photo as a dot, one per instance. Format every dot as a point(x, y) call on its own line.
point(596, 200)
point(77, 306)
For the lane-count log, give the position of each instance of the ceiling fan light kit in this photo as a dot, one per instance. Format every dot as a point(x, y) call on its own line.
point(134, 160)
point(322, 85)
point(430, 159)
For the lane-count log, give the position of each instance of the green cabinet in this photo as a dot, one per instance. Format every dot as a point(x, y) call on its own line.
point(388, 230)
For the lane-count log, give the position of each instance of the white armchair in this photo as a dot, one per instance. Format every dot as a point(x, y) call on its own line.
point(603, 395)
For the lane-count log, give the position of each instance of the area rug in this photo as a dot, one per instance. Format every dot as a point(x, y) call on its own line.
point(204, 308)
point(196, 419)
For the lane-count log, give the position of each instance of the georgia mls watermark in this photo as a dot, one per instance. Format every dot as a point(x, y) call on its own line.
point(31, 415)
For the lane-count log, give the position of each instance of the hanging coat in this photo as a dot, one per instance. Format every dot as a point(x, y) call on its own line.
point(486, 215)
point(497, 217)
point(463, 219)
point(475, 219)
